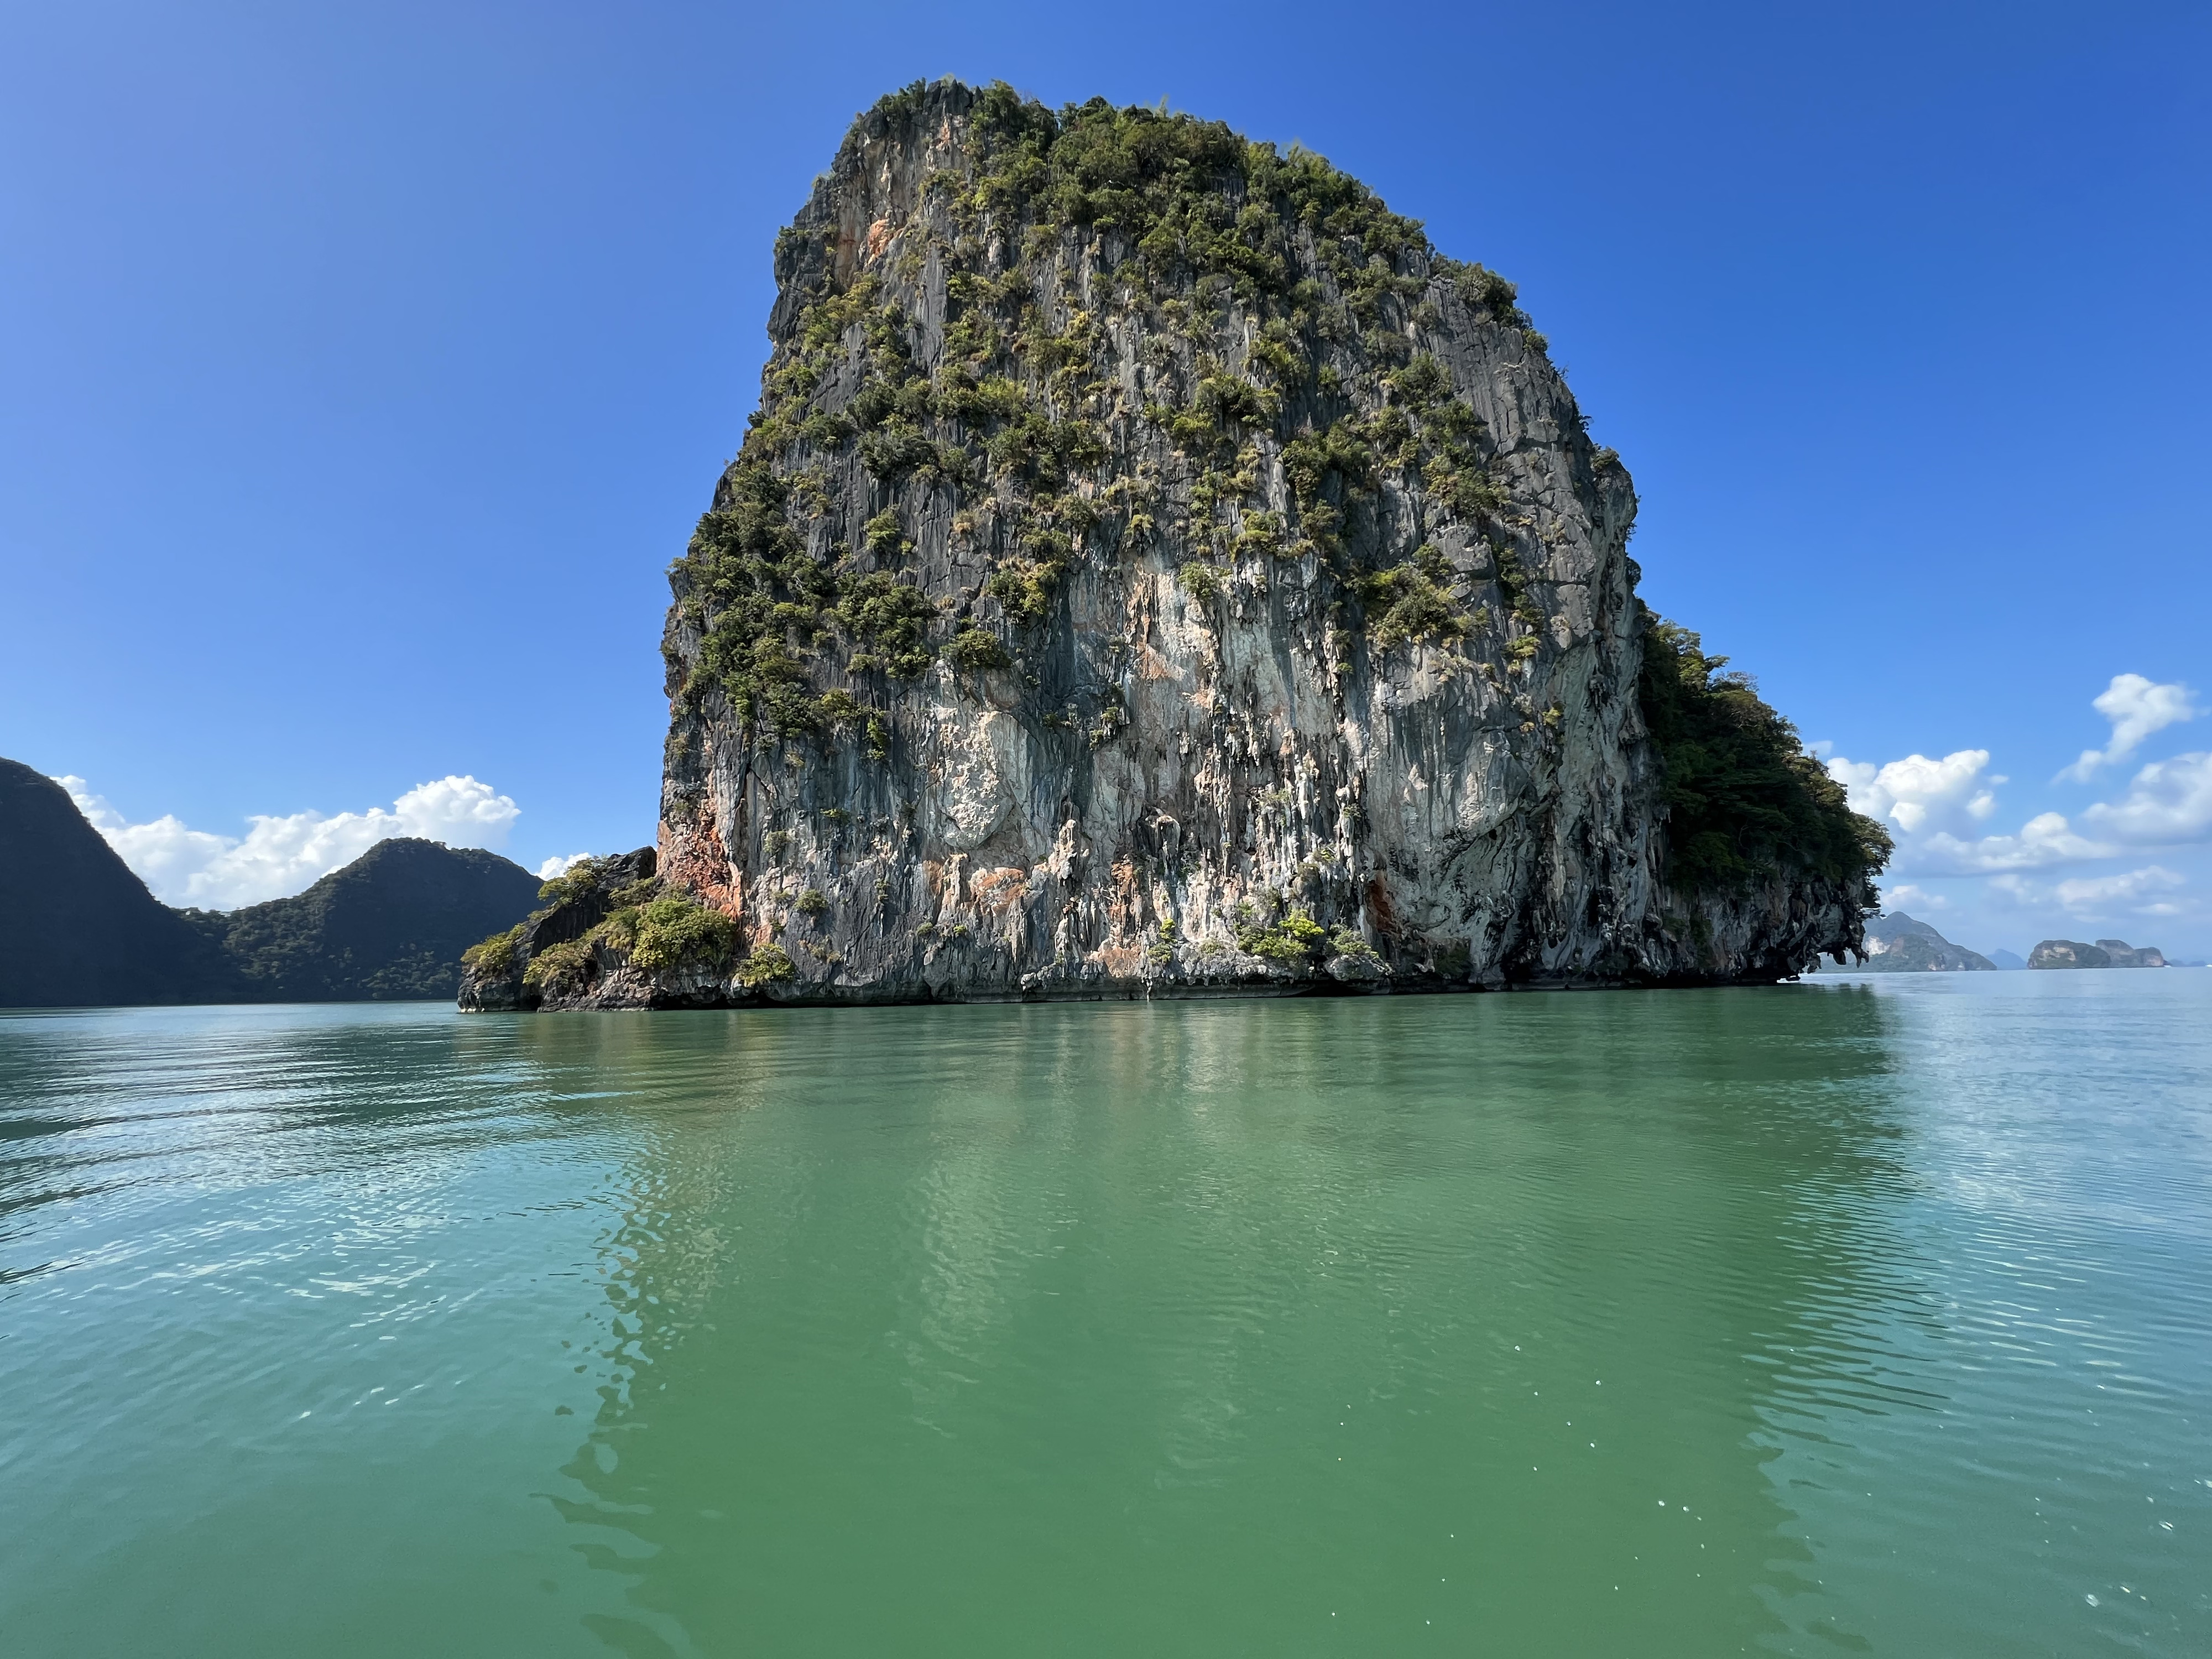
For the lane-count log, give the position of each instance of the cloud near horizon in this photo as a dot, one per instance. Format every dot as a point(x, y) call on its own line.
point(1937, 809)
point(1934, 804)
point(279, 856)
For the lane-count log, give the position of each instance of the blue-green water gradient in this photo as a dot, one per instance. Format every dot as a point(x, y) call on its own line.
point(1865, 1317)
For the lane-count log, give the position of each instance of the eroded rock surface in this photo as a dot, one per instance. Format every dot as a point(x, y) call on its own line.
point(1154, 570)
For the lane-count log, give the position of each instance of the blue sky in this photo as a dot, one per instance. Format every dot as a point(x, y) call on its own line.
point(363, 367)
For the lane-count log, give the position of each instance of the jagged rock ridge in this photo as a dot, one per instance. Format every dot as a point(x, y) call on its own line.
point(1153, 568)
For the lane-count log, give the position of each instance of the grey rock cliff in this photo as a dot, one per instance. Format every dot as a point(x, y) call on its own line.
point(1096, 614)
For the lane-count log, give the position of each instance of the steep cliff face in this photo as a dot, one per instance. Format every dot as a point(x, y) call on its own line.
point(1154, 570)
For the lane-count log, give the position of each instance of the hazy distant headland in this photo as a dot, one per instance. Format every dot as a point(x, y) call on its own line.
point(2105, 953)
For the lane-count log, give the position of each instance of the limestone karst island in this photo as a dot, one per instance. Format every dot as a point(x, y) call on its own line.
point(955, 1144)
point(1153, 569)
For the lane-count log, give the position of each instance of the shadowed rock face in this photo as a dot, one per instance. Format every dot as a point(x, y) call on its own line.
point(1157, 576)
point(82, 930)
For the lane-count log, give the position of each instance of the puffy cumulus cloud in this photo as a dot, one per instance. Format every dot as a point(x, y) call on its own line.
point(281, 855)
point(1918, 793)
point(2168, 804)
point(2136, 708)
point(559, 865)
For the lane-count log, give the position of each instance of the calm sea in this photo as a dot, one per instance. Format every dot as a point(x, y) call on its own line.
point(1858, 1317)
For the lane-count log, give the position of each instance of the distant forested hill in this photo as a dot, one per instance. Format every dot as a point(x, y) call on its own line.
point(79, 929)
point(390, 926)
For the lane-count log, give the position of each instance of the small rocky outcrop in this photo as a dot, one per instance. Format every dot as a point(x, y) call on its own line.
point(1154, 570)
point(1898, 944)
point(2105, 953)
point(610, 934)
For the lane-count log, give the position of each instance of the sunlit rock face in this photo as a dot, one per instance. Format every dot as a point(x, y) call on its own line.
point(1153, 569)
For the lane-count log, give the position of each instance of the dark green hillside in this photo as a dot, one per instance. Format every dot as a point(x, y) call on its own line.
point(390, 926)
point(1744, 800)
point(79, 928)
point(82, 931)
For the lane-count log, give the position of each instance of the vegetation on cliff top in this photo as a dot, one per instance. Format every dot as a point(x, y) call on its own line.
point(1743, 798)
point(1267, 284)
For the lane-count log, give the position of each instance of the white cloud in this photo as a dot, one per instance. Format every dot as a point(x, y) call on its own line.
point(558, 865)
point(2169, 802)
point(281, 855)
point(2044, 839)
point(1908, 896)
point(1918, 793)
point(2136, 708)
point(2134, 892)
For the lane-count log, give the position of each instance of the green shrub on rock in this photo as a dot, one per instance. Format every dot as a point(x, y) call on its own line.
point(1295, 939)
point(559, 968)
point(765, 965)
point(494, 958)
point(676, 931)
point(972, 651)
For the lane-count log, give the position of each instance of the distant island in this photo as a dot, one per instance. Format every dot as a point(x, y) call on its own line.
point(1897, 943)
point(2105, 953)
point(84, 930)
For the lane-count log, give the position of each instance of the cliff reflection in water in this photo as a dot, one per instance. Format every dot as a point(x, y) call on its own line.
point(1186, 1327)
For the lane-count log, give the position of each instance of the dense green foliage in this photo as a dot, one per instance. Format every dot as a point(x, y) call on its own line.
point(765, 965)
point(1249, 269)
point(1743, 798)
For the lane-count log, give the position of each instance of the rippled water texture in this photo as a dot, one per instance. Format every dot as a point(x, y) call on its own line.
point(1849, 1316)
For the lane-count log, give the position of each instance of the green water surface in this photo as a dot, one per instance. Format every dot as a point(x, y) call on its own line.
point(1846, 1317)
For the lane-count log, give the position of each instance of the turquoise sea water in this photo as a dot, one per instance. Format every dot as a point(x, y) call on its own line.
point(1857, 1316)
